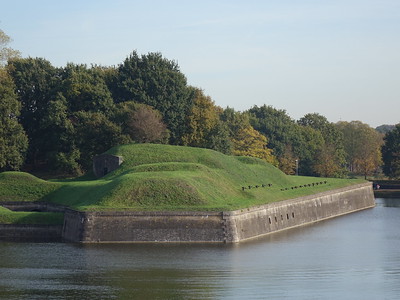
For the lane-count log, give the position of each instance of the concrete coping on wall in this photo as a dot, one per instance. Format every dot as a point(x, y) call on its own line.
point(148, 213)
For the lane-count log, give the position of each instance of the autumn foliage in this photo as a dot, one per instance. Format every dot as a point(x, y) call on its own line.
point(57, 119)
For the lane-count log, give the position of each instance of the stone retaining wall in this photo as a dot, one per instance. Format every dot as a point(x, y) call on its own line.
point(232, 226)
point(30, 233)
point(142, 227)
point(253, 222)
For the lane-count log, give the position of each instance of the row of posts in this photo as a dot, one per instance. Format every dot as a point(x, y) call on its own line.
point(256, 186)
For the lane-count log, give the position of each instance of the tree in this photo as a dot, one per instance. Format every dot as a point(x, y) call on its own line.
point(287, 162)
point(36, 82)
point(146, 126)
point(205, 128)
point(13, 140)
point(140, 122)
point(234, 120)
point(327, 164)
point(362, 145)
point(276, 125)
point(85, 88)
point(246, 141)
point(289, 140)
point(58, 145)
point(250, 142)
point(307, 146)
point(391, 153)
point(6, 53)
point(233, 123)
point(333, 149)
point(385, 128)
point(158, 82)
point(202, 118)
point(218, 138)
point(329, 132)
point(94, 134)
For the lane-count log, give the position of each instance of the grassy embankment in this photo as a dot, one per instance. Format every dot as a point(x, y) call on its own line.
point(163, 177)
point(15, 186)
point(21, 217)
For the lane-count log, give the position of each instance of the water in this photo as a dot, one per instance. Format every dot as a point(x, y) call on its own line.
point(352, 257)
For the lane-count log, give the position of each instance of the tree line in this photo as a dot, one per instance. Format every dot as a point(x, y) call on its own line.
point(57, 118)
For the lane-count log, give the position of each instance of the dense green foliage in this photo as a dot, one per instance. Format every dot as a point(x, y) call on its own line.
point(361, 159)
point(391, 153)
point(279, 128)
point(158, 82)
point(330, 161)
point(314, 142)
point(165, 177)
point(13, 141)
point(69, 114)
point(35, 81)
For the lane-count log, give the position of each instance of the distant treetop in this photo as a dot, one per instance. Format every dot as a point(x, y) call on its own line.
point(385, 128)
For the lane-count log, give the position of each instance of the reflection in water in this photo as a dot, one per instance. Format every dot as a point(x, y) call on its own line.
point(388, 202)
point(164, 271)
point(166, 283)
point(351, 257)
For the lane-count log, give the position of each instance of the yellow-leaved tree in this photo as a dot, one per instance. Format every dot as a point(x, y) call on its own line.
point(250, 142)
point(202, 119)
point(327, 164)
point(205, 129)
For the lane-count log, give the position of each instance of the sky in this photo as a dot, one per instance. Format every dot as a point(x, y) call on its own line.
point(338, 58)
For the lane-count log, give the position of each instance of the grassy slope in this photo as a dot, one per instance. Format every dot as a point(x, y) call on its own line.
point(164, 177)
point(18, 186)
point(21, 217)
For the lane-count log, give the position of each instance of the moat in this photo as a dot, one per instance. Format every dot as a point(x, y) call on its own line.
point(350, 257)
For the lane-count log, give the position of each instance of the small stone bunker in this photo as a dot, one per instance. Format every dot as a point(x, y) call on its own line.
point(105, 163)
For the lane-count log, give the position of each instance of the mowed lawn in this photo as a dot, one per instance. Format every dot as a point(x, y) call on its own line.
point(164, 177)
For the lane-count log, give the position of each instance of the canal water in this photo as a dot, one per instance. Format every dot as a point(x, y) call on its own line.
point(356, 256)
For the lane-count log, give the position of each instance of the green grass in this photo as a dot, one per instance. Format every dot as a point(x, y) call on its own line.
point(19, 186)
point(164, 177)
point(20, 217)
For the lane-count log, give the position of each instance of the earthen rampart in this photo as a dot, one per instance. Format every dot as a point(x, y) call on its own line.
point(228, 227)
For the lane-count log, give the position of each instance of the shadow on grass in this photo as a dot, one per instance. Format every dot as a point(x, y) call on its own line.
point(31, 218)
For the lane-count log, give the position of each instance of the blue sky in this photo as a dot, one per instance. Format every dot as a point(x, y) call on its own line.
point(339, 58)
